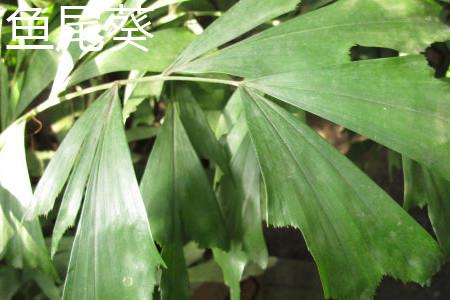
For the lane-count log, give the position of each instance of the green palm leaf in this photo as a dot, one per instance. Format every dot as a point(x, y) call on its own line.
point(348, 222)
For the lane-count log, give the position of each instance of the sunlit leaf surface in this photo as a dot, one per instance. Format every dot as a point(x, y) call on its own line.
point(25, 247)
point(113, 226)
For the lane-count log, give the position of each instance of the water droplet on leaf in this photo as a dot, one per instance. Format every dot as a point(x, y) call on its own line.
point(127, 281)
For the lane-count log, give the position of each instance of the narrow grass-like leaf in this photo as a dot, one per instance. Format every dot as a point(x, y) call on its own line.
point(424, 187)
point(177, 192)
point(324, 37)
point(76, 184)
point(113, 226)
point(33, 251)
point(26, 247)
point(48, 287)
point(58, 170)
point(13, 167)
point(241, 199)
point(198, 129)
point(2, 13)
point(246, 172)
point(232, 123)
point(232, 264)
point(135, 94)
point(5, 102)
point(161, 3)
point(231, 25)
point(174, 281)
point(179, 199)
point(348, 222)
point(231, 191)
point(46, 66)
point(6, 231)
point(41, 71)
point(387, 100)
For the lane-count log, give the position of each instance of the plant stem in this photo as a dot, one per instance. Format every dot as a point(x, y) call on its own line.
point(215, 13)
point(50, 103)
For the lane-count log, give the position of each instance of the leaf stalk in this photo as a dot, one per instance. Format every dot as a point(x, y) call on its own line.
point(52, 102)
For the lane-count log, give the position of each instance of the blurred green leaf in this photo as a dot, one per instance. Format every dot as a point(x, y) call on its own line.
point(423, 187)
point(198, 129)
point(163, 49)
point(6, 109)
point(175, 279)
point(141, 133)
point(210, 271)
point(10, 282)
point(232, 122)
point(41, 71)
point(26, 248)
point(240, 197)
point(48, 287)
point(240, 200)
point(161, 3)
point(232, 265)
point(135, 94)
point(209, 96)
point(34, 252)
point(6, 232)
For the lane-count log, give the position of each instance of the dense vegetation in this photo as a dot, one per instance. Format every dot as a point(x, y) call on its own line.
point(121, 168)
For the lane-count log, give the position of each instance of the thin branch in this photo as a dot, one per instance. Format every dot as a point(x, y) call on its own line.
point(52, 102)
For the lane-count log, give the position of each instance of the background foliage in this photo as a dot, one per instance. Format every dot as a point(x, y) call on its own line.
point(132, 175)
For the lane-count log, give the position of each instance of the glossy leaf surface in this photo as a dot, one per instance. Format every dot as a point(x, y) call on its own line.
point(180, 201)
point(386, 100)
point(59, 168)
point(25, 246)
point(325, 36)
point(231, 25)
point(113, 226)
point(348, 222)
point(177, 192)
